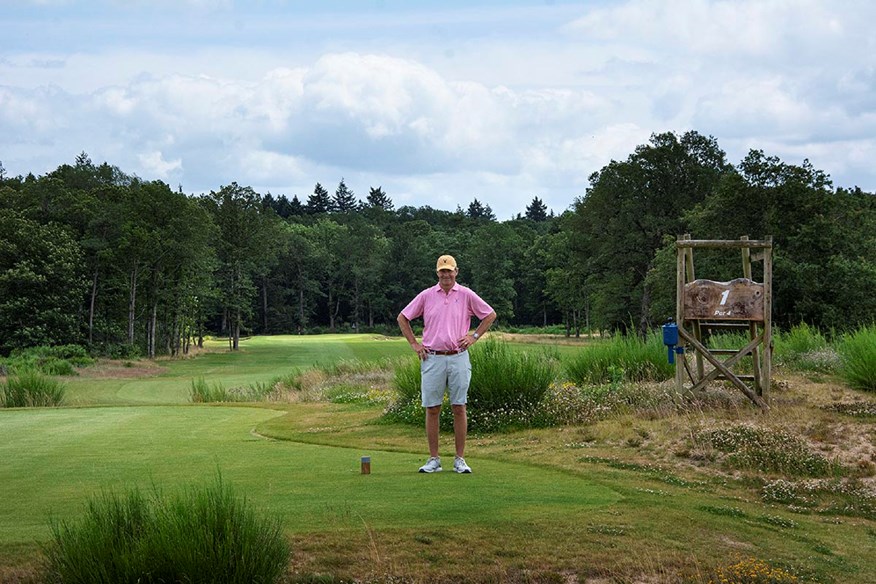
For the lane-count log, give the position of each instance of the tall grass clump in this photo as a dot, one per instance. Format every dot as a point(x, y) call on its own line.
point(858, 355)
point(506, 388)
point(203, 392)
point(31, 389)
point(203, 535)
point(628, 357)
point(804, 348)
point(501, 377)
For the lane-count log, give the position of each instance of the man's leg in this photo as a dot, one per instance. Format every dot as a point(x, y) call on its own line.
point(433, 418)
point(460, 428)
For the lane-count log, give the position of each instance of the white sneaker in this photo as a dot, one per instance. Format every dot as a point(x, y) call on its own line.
point(432, 465)
point(460, 466)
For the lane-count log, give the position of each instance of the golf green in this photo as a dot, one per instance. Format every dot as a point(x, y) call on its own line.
point(55, 459)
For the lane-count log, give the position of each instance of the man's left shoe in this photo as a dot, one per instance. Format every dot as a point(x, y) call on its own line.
point(460, 466)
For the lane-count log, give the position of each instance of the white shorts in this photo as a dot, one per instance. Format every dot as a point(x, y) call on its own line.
point(440, 372)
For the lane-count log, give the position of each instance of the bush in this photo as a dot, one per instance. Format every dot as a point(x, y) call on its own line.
point(56, 360)
point(31, 389)
point(204, 535)
point(858, 354)
point(629, 357)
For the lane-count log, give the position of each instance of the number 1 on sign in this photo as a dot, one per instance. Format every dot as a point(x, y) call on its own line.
point(724, 296)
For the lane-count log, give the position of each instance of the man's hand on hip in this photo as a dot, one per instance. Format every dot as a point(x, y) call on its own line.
point(467, 341)
point(420, 350)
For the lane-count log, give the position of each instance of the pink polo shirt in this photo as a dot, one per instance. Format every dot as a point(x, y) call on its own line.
point(446, 317)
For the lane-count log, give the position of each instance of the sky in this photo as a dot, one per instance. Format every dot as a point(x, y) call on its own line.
point(438, 103)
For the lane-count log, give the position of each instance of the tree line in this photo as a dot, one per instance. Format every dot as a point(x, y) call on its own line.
point(91, 255)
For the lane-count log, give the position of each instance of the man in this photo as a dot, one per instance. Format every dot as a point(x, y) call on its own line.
point(446, 309)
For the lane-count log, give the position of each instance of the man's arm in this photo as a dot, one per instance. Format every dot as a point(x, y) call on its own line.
point(405, 325)
point(470, 339)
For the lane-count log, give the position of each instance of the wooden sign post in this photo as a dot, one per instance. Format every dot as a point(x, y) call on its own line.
point(741, 305)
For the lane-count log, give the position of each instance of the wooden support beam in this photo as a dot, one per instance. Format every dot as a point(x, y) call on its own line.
point(723, 244)
point(724, 367)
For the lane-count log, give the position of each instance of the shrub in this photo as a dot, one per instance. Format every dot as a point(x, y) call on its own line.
point(55, 366)
point(858, 354)
point(57, 360)
point(206, 535)
point(75, 353)
point(629, 357)
point(31, 389)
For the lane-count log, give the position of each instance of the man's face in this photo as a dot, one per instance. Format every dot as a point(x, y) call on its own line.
point(447, 278)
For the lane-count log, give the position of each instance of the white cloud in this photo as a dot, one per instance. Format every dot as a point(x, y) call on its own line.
point(714, 28)
point(154, 164)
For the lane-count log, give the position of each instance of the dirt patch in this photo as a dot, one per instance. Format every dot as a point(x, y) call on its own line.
point(120, 369)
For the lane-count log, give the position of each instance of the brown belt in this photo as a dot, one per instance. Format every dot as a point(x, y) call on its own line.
point(457, 352)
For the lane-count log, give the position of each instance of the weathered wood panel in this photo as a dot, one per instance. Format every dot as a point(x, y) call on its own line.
point(739, 299)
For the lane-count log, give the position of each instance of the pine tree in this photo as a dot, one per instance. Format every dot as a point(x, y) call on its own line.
point(377, 198)
point(537, 210)
point(295, 206)
point(476, 210)
point(345, 200)
point(319, 201)
point(283, 207)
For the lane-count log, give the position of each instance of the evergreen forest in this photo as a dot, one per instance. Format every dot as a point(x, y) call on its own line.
point(128, 266)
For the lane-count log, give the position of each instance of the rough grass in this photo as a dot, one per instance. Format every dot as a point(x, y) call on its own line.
point(621, 358)
point(507, 388)
point(766, 450)
point(858, 352)
point(31, 389)
point(203, 392)
point(204, 535)
point(804, 348)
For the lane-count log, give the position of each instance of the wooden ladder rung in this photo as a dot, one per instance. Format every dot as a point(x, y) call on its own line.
point(740, 377)
point(725, 351)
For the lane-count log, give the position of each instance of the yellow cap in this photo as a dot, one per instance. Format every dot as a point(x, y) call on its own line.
point(446, 262)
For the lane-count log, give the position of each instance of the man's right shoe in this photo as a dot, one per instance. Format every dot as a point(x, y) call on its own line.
point(432, 465)
point(460, 466)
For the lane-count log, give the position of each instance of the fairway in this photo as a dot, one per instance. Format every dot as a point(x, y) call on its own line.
point(55, 459)
point(259, 360)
